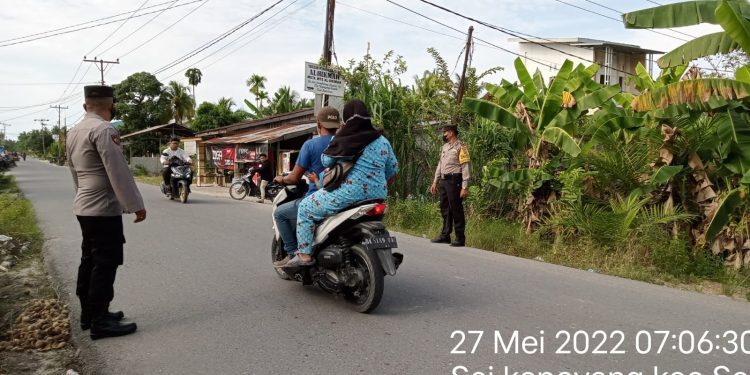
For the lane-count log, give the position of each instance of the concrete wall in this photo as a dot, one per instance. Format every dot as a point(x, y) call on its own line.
point(553, 58)
point(151, 164)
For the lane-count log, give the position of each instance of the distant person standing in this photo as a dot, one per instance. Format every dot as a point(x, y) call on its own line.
point(104, 189)
point(452, 180)
point(266, 175)
point(23, 155)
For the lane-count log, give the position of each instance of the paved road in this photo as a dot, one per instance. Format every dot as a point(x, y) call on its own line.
point(198, 282)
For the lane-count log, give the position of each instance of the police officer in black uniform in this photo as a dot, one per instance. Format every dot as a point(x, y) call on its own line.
point(104, 189)
point(452, 180)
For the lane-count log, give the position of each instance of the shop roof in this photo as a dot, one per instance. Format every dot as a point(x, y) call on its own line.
point(267, 135)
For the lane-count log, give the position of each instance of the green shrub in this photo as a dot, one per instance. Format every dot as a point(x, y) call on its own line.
point(140, 170)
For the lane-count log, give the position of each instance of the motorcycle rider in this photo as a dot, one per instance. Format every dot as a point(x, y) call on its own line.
point(285, 216)
point(169, 152)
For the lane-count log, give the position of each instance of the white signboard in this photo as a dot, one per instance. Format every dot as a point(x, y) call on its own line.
point(322, 80)
point(190, 148)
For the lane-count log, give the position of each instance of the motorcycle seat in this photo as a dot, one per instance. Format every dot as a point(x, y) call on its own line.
point(362, 203)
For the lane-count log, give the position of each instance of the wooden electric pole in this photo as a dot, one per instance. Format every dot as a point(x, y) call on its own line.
point(101, 65)
point(328, 39)
point(5, 134)
point(462, 83)
point(61, 133)
point(42, 120)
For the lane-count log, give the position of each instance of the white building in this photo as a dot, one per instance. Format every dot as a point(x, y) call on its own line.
point(616, 61)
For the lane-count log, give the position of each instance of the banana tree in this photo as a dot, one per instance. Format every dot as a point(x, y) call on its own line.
point(542, 116)
point(720, 99)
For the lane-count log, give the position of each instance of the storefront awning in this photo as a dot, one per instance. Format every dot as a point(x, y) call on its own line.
point(266, 135)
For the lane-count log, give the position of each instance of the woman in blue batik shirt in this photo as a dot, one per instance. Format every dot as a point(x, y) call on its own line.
point(368, 179)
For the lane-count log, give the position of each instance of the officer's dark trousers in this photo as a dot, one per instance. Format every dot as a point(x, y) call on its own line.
point(101, 254)
point(451, 206)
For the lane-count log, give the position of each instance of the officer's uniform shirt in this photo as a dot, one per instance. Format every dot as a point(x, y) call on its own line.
point(180, 153)
point(454, 159)
point(103, 183)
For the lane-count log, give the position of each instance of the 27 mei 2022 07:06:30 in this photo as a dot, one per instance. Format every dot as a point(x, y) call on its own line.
point(616, 342)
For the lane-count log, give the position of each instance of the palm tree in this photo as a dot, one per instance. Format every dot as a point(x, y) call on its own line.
point(225, 104)
point(180, 102)
point(194, 76)
point(256, 83)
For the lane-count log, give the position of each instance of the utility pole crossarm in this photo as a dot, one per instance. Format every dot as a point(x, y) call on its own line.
point(101, 65)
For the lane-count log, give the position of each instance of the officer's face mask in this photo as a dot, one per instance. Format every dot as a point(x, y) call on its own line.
point(445, 139)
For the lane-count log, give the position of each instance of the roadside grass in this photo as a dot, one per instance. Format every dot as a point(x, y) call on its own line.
point(17, 218)
point(652, 257)
point(151, 180)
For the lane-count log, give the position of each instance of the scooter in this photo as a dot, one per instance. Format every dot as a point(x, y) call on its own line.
point(352, 252)
point(180, 180)
point(240, 189)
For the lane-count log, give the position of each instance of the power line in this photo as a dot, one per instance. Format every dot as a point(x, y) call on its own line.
point(619, 20)
point(247, 33)
point(92, 26)
point(117, 29)
point(137, 29)
point(260, 34)
point(481, 40)
point(518, 34)
point(215, 40)
point(79, 24)
point(35, 84)
point(167, 28)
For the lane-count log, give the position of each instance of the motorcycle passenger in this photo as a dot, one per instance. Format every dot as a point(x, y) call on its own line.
point(308, 162)
point(369, 178)
point(173, 150)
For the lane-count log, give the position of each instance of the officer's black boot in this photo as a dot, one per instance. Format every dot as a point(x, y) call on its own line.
point(459, 241)
point(86, 315)
point(441, 239)
point(103, 325)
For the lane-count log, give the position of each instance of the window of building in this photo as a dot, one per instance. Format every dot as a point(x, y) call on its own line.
point(620, 80)
point(601, 79)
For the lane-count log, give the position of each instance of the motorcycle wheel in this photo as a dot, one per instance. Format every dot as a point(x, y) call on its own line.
point(238, 191)
point(366, 297)
point(183, 192)
point(277, 253)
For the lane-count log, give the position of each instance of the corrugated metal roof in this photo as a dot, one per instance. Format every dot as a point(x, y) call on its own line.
point(176, 129)
point(289, 116)
point(266, 135)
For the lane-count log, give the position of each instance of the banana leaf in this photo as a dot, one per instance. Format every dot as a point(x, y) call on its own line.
point(743, 74)
point(520, 179)
point(592, 100)
point(562, 140)
point(553, 98)
point(723, 213)
point(665, 173)
point(529, 88)
point(686, 13)
point(539, 80)
point(707, 93)
point(643, 80)
point(706, 45)
point(730, 17)
point(745, 179)
point(493, 112)
point(507, 94)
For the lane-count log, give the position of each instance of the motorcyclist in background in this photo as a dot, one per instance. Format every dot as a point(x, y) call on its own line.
point(166, 155)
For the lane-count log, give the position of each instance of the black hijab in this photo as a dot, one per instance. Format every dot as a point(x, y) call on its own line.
point(356, 133)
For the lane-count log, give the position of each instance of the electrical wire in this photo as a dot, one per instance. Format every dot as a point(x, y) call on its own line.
point(246, 34)
point(165, 29)
point(481, 40)
point(92, 26)
point(117, 29)
point(137, 29)
point(519, 35)
point(619, 12)
point(215, 40)
point(79, 24)
point(618, 20)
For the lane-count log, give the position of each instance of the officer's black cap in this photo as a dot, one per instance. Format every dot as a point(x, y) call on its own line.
point(98, 91)
point(452, 128)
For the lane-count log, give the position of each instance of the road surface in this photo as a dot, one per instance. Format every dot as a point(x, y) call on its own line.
point(198, 281)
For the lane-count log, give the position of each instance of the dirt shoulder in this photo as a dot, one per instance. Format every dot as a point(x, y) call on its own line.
point(35, 332)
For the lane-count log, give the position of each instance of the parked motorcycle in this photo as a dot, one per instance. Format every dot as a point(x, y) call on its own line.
point(240, 189)
point(352, 252)
point(180, 180)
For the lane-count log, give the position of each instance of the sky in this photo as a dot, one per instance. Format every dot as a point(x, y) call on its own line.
point(35, 74)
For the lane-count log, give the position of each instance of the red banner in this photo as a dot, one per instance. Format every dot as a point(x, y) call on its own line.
point(223, 157)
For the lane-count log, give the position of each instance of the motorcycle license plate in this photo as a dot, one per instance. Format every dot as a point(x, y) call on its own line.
point(380, 242)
